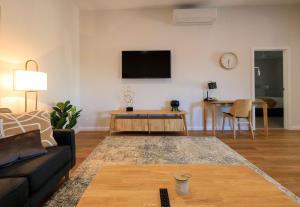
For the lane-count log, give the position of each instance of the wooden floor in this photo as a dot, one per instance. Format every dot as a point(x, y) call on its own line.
point(278, 155)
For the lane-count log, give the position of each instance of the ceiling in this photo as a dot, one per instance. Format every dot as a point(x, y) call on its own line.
point(138, 4)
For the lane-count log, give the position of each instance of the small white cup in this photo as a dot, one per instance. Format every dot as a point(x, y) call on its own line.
point(182, 183)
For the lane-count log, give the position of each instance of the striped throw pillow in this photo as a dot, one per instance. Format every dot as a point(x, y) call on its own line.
point(1, 128)
point(13, 124)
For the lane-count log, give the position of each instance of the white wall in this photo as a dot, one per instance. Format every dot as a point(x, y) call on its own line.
point(195, 57)
point(47, 31)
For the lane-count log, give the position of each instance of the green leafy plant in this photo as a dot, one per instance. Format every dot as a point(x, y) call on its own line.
point(64, 115)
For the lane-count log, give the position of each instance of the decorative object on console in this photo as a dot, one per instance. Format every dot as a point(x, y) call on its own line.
point(64, 116)
point(129, 108)
point(128, 97)
point(229, 60)
point(14, 124)
point(175, 105)
point(30, 82)
point(211, 86)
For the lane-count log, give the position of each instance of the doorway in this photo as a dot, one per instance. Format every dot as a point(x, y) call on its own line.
point(269, 86)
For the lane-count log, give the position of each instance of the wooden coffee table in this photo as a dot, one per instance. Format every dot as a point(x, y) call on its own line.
point(211, 185)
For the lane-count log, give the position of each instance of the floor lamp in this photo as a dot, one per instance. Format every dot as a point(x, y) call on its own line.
point(30, 82)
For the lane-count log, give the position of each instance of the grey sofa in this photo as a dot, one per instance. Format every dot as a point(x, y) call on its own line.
point(28, 183)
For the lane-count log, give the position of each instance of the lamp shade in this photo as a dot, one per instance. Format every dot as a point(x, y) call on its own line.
point(30, 80)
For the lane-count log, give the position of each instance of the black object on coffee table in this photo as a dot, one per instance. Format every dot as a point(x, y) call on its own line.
point(164, 197)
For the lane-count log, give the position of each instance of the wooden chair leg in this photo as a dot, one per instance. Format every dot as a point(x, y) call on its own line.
point(251, 129)
point(223, 124)
point(249, 125)
point(233, 126)
point(239, 125)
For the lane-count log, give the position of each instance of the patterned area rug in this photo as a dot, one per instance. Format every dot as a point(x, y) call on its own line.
point(151, 150)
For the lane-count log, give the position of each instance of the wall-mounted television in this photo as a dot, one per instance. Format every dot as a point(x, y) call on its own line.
point(146, 64)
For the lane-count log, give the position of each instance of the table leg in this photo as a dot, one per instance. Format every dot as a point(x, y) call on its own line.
point(111, 124)
point(149, 132)
point(251, 115)
point(266, 125)
point(185, 125)
point(213, 114)
point(205, 115)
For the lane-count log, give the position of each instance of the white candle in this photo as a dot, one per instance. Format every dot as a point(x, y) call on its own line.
point(182, 184)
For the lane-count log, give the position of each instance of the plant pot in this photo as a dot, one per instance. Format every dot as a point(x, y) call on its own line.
point(175, 105)
point(129, 108)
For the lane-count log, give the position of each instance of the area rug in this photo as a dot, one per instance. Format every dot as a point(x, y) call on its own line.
point(151, 150)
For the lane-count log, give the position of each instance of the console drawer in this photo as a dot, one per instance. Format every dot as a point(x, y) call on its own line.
point(139, 125)
point(173, 125)
point(157, 125)
point(123, 124)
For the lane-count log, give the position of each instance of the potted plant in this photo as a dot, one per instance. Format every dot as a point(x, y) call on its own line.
point(64, 115)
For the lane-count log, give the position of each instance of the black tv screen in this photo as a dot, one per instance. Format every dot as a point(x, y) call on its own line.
point(146, 64)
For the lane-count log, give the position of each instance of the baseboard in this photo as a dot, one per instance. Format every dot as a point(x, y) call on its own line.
point(294, 128)
point(195, 128)
point(209, 128)
point(79, 129)
point(93, 129)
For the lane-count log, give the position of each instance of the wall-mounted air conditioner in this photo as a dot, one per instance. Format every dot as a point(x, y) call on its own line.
point(201, 16)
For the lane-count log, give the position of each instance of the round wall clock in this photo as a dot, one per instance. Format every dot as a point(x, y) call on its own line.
point(229, 60)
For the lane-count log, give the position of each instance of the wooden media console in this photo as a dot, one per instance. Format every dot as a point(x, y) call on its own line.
point(148, 120)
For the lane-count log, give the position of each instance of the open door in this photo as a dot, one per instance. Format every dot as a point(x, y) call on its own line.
point(269, 86)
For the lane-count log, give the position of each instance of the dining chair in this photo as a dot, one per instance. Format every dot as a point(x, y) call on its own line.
point(241, 109)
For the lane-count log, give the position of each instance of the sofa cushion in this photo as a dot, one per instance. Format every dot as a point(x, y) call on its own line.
point(19, 123)
point(40, 169)
point(13, 191)
point(20, 147)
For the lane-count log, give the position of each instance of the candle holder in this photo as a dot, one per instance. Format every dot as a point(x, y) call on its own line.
point(182, 183)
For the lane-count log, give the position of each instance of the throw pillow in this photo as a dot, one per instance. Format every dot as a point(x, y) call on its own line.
point(1, 128)
point(14, 124)
point(20, 147)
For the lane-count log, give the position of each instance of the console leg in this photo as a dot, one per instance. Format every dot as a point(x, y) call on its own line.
point(185, 125)
point(111, 124)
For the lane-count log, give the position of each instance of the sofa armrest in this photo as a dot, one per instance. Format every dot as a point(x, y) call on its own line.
point(66, 137)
